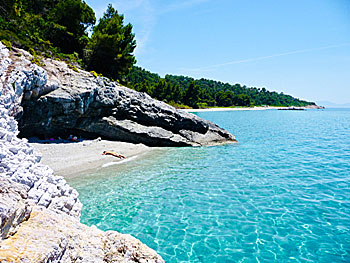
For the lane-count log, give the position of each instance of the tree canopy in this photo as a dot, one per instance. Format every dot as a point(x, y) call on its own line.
point(46, 25)
point(70, 21)
point(181, 90)
point(58, 28)
point(111, 47)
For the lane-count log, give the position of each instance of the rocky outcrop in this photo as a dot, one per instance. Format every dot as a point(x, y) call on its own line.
point(46, 235)
point(308, 107)
point(40, 212)
point(21, 164)
point(314, 107)
point(58, 101)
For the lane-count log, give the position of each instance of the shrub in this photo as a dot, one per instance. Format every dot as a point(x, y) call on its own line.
point(94, 73)
point(178, 106)
point(7, 44)
point(202, 105)
point(37, 61)
point(73, 67)
point(32, 52)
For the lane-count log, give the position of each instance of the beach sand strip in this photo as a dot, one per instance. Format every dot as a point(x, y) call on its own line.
point(72, 159)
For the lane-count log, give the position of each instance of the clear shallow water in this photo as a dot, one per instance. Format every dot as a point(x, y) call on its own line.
point(281, 195)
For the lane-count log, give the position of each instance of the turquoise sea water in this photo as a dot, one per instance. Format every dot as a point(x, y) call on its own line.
point(282, 194)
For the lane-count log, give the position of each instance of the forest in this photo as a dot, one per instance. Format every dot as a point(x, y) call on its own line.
point(60, 29)
point(67, 30)
point(181, 91)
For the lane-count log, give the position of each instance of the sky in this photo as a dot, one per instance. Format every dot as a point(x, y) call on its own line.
point(298, 47)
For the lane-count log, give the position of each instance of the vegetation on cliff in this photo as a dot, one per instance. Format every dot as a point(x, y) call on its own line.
point(60, 29)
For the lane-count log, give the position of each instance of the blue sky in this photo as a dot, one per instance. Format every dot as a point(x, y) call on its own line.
point(299, 47)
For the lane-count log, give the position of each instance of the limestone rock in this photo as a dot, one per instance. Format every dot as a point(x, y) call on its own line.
point(125, 248)
point(39, 212)
point(58, 101)
point(50, 236)
point(19, 162)
point(14, 208)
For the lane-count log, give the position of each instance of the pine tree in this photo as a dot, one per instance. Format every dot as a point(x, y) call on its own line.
point(191, 97)
point(110, 50)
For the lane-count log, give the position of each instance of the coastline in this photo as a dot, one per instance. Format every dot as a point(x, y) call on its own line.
point(251, 109)
point(73, 159)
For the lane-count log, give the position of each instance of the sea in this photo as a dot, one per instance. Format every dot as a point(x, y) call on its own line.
point(281, 194)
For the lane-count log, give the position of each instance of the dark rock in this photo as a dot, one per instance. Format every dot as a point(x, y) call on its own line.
point(58, 101)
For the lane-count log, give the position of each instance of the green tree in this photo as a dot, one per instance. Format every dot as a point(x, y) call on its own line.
point(144, 87)
point(110, 50)
point(225, 98)
point(242, 100)
point(191, 97)
point(70, 21)
point(159, 91)
point(47, 26)
point(176, 94)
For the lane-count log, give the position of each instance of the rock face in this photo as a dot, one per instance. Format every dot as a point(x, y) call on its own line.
point(46, 235)
point(59, 101)
point(39, 212)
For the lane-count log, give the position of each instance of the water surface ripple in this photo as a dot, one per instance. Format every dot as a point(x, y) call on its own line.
point(282, 194)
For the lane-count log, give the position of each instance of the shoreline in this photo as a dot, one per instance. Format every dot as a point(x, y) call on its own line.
point(251, 109)
point(74, 159)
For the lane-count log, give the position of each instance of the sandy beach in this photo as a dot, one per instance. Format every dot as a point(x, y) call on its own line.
point(240, 109)
point(71, 159)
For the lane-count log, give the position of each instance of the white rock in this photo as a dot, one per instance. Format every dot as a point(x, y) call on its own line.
point(45, 200)
point(35, 194)
point(45, 235)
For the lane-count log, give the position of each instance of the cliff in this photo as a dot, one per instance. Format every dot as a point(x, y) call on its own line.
point(59, 100)
point(40, 212)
